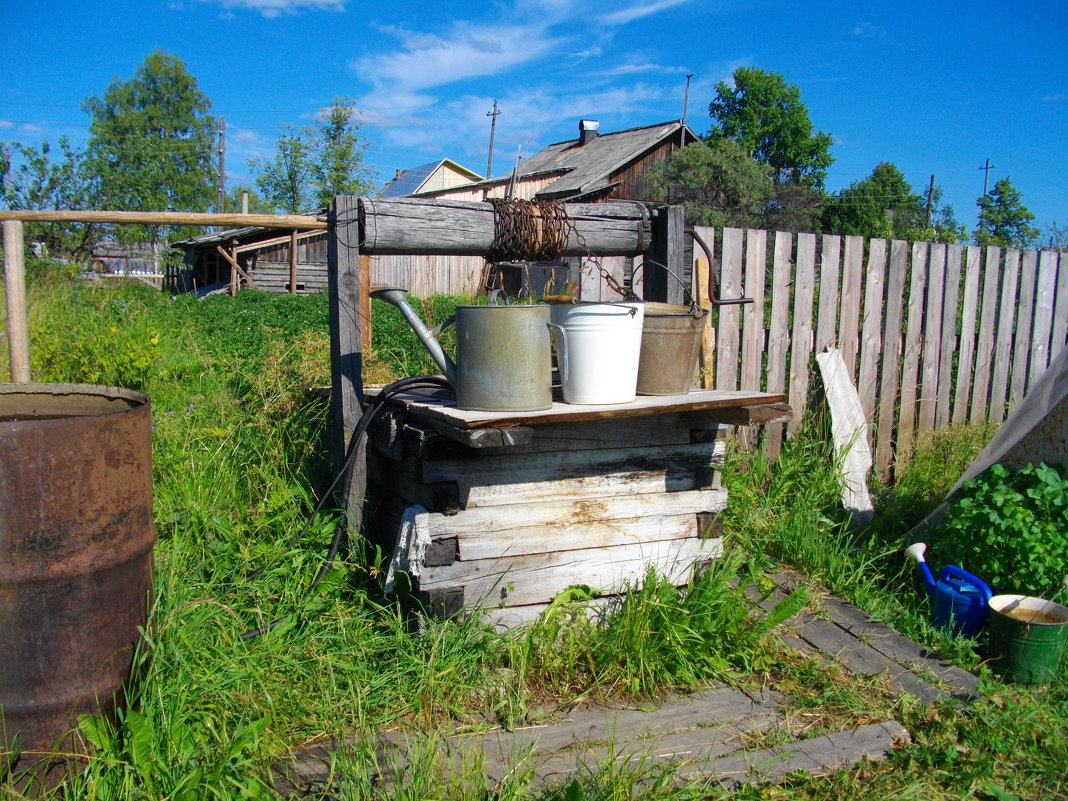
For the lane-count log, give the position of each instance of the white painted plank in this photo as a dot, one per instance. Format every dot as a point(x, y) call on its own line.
point(778, 332)
point(870, 334)
point(984, 343)
point(830, 269)
point(852, 294)
point(911, 365)
point(538, 578)
point(801, 350)
point(932, 335)
point(999, 383)
point(891, 358)
point(1043, 324)
point(968, 317)
point(949, 333)
point(727, 332)
point(1025, 311)
point(849, 431)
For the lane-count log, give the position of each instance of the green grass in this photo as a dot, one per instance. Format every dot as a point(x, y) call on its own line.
point(239, 462)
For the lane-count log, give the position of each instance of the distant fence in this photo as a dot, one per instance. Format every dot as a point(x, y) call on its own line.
point(931, 334)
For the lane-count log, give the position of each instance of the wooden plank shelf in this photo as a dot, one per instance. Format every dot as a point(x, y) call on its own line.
point(493, 510)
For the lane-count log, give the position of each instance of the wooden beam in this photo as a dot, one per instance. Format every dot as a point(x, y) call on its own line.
point(346, 357)
point(293, 262)
point(233, 263)
point(15, 287)
point(403, 226)
point(169, 218)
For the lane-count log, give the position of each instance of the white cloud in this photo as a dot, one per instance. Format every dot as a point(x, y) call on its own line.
point(1054, 98)
point(632, 69)
point(275, 8)
point(625, 15)
point(4, 124)
point(868, 30)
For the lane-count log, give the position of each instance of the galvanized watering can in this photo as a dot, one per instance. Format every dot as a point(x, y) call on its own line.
point(503, 361)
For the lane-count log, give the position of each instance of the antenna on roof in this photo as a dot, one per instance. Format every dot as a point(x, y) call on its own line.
point(686, 98)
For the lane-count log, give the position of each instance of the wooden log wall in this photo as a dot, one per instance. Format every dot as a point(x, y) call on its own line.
point(932, 334)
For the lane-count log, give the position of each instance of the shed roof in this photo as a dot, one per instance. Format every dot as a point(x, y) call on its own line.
point(409, 181)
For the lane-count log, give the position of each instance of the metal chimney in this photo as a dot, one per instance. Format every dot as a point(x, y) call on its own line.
point(588, 131)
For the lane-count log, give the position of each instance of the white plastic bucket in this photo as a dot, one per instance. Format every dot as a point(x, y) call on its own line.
point(597, 348)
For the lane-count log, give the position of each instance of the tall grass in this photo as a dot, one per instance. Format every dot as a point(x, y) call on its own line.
point(239, 463)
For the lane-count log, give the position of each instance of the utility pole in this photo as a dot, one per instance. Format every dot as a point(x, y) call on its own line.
point(686, 97)
point(220, 205)
point(930, 200)
point(493, 129)
point(986, 175)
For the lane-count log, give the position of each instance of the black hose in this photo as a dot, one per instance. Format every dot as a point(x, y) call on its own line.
point(373, 408)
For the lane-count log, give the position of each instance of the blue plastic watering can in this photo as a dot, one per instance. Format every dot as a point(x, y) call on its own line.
point(958, 599)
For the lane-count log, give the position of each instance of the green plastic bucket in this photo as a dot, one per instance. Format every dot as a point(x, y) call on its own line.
point(1027, 637)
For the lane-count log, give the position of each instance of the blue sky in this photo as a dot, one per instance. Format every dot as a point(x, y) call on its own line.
point(932, 87)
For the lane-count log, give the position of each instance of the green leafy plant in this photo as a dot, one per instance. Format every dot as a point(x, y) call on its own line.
point(1008, 526)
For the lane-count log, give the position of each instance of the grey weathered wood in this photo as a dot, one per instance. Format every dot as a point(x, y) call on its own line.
point(1043, 322)
point(891, 357)
point(949, 333)
point(969, 315)
point(727, 332)
point(984, 343)
point(870, 334)
point(819, 756)
point(911, 364)
point(1060, 310)
point(999, 383)
point(932, 336)
point(777, 339)
point(536, 578)
point(18, 340)
point(756, 247)
point(456, 227)
point(801, 340)
point(1024, 316)
point(827, 322)
point(346, 358)
point(666, 249)
point(852, 293)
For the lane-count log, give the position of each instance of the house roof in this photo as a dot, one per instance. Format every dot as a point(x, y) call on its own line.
point(411, 180)
point(587, 168)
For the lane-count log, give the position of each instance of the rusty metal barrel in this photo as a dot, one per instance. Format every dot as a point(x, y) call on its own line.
point(76, 537)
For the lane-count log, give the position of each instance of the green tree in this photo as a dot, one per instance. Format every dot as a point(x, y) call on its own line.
point(765, 114)
point(35, 179)
point(716, 183)
point(1003, 219)
point(152, 143)
point(881, 205)
point(313, 164)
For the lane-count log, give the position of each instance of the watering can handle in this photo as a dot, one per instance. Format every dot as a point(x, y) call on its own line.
point(561, 352)
point(954, 572)
point(494, 298)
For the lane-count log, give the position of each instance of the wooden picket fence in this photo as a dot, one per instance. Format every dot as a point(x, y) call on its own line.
point(932, 334)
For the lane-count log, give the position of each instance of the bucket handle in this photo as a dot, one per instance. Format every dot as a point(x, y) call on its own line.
point(561, 352)
point(494, 298)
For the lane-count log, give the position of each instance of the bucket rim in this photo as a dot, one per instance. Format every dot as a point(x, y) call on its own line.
point(133, 398)
point(1029, 603)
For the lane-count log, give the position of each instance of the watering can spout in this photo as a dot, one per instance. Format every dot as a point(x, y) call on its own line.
point(399, 298)
point(915, 552)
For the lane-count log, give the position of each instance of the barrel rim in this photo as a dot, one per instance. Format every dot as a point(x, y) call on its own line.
point(132, 397)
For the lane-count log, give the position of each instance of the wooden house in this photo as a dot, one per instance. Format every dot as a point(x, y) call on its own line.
point(432, 177)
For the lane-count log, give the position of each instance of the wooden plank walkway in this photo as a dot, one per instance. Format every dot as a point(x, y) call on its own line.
point(704, 737)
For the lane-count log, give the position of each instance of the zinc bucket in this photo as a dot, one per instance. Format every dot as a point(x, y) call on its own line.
point(76, 537)
point(1027, 637)
point(597, 348)
point(671, 341)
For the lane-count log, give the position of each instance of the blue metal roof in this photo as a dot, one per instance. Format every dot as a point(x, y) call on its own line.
point(409, 180)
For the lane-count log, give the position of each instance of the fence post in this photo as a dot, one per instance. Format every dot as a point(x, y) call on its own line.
point(15, 286)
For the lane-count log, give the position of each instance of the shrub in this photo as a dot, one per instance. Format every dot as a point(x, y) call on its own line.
point(1008, 526)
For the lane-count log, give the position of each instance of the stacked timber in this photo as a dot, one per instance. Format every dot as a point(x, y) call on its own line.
point(501, 519)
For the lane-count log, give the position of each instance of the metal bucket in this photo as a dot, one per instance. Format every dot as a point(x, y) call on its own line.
point(76, 537)
point(503, 358)
point(1027, 638)
point(671, 341)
